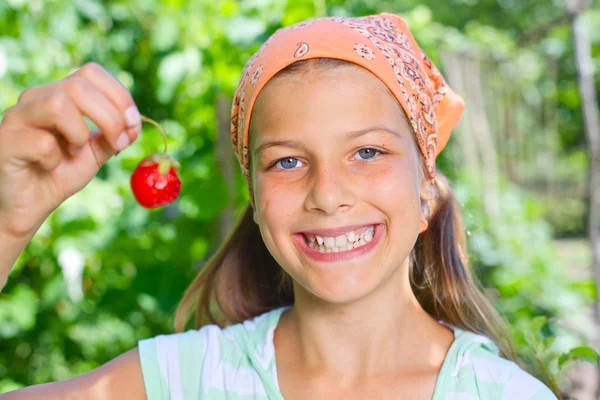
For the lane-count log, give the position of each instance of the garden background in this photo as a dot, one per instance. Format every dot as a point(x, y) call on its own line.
point(103, 272)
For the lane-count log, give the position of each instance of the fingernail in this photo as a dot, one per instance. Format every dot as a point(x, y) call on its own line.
point(132, 116)
point(122, 141)
point(135, 132)
point(75, 150)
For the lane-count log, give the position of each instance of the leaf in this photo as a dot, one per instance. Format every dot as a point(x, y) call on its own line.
point(165, 34)
point(585, 353)
point(549, 341)
point(91, 9)
point(537, 324)
point(52, 291)
point(174, 68)
point(19, 310)
point(8, 385)
point(243, 31)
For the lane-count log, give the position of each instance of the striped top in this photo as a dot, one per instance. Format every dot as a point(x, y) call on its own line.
point(238, 363)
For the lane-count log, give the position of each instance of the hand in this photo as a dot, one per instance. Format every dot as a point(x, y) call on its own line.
point(47, 152)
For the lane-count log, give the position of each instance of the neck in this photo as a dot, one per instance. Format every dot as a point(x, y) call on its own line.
point(383, 333)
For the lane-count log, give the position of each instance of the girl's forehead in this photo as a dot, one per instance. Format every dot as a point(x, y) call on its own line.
point(350, 76)
point(347, 96)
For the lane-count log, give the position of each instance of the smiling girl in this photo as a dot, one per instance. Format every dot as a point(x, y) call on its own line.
point(347, 275)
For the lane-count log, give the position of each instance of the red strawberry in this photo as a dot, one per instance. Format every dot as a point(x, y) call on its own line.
point(155, 182)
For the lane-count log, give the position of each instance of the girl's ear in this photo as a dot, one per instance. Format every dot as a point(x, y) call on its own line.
point(255, 217)
point(424, 223)
point(428, 192)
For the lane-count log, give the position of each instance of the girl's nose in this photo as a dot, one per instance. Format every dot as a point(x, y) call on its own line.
point(330, 190)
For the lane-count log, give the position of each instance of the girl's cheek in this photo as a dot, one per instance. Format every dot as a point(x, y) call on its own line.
point(276, 196)
point(280, 184)
point(385, 178)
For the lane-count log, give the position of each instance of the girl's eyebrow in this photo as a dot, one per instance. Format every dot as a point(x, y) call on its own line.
point(275, 143)
point(346, 137)
point(356, 134)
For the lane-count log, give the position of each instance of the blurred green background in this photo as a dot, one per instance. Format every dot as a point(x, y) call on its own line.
point(518, 162)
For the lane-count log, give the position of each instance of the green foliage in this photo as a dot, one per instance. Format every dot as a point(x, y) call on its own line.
point(550, 363)
point(513, 255)
point(177, 58)
point(137, 262)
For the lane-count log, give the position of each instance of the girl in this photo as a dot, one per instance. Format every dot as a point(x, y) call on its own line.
point(346, 277)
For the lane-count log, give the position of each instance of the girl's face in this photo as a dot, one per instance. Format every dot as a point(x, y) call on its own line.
point(334, 160)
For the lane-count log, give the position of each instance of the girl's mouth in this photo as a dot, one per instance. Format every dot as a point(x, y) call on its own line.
point(343, 247)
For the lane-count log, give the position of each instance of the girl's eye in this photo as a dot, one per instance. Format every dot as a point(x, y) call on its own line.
point(367, 153)
point(287, 163)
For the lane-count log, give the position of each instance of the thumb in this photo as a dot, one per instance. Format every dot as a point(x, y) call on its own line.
point(101, 149)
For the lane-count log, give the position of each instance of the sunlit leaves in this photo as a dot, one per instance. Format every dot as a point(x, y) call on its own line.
point(18, 311)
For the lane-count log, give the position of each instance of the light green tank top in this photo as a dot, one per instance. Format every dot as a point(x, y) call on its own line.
point(238, 363)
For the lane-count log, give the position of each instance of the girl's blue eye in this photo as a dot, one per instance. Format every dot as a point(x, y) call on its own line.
point(291, 163)
point(287, 163)
point(367, 153)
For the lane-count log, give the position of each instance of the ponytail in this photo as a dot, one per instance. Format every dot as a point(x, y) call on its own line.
point(440, 275)
point(242, 278)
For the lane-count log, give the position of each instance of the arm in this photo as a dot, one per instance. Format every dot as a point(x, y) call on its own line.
point(120, 378)
point(11, 248)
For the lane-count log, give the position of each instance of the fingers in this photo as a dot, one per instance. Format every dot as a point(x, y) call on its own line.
point(31, 92)
point(116, 92)
point(101, 149)
point(98, 108)
point(102, 98)
point(37, 145)
point(55, 112)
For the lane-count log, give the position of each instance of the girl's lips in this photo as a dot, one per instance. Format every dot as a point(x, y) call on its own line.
point(300, 240)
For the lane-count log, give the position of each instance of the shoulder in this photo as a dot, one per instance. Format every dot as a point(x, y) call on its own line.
point(166, 360)
point(476, 371)
point(209, 361)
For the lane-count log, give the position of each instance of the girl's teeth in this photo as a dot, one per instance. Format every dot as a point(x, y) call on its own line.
point(329, 241)
point(340, 241)
point(352, 237)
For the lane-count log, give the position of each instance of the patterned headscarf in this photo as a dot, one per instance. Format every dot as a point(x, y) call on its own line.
point(384, 45)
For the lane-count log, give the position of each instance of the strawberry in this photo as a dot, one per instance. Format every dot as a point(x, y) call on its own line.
point(155, 182)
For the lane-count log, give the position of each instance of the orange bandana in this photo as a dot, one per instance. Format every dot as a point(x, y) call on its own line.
point(382, 44)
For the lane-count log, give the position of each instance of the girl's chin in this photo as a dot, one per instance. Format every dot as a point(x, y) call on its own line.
point(333, 296)
point(339, 287)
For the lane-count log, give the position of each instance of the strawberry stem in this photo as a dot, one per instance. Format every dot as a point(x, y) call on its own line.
point(157, 125)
